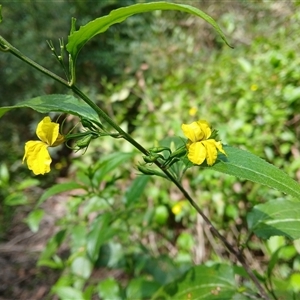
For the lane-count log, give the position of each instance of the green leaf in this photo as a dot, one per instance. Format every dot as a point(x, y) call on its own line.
point(109, 289)
point(99, 234)
point(1, 19)
point(26, 183)
point(140, 288)
point(52, 245)
point(109, 163)
point(243, 164)
point(67, 292)
point(135, 190)
point(79, 38)
point(279, 217)
point(82, 267)
point(34, 218)
point(201, 282)
point(58, 188)
point(56, 103)
point(4, 176)
point(16, 199)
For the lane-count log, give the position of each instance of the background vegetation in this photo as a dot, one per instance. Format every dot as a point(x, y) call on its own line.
point(152, 73)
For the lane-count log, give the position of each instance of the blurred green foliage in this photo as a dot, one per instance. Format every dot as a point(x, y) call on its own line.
point(152, 73)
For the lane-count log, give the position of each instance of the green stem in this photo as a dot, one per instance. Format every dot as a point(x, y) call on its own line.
point(236, 252)
point(6, 47)
point(103, 116)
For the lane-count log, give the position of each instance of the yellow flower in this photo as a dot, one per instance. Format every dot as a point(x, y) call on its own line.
point(199, 145)
point(36, 152)
point(193, 110)
point(254, 87)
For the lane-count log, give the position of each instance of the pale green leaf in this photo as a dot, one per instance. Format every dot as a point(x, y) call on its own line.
point(56, 103)
point(68, 293)
point(243, 164)
point(82, 267)
point(79, 38)
point(278, 217)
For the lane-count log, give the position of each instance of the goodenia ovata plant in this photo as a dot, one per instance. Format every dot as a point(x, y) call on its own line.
point(201, 150)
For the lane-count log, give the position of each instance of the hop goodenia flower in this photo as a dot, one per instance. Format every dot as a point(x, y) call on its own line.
point(200, 146)
point(36, 152)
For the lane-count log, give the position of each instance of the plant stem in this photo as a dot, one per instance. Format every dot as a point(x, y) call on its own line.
point(103, 116)
point(236, 252)
point(6, 47)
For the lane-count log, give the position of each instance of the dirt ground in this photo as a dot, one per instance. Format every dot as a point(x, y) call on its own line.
point(20, 278)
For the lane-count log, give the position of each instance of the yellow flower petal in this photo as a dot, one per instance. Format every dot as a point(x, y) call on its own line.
point(48, 131)
point(37, 156)
point(197, 153)
point(211, 151)
point(196, 131)
point(177, 208)
point(193, 110)
point(205, 127)
point(220, 148)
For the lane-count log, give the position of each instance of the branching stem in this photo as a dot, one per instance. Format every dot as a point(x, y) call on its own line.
point(7, 47)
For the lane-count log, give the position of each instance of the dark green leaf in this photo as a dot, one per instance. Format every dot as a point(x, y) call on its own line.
point(201, 282)
point(140, 288)
point(279, 217)
point(243, 164)
point(78, 38)
point(56, 103)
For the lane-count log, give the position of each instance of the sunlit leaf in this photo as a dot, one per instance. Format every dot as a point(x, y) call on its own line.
point(78, 38)
point(278, 217)
point(67, 292)
point(201, 282)
point(82, 267)
point(243, 164)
